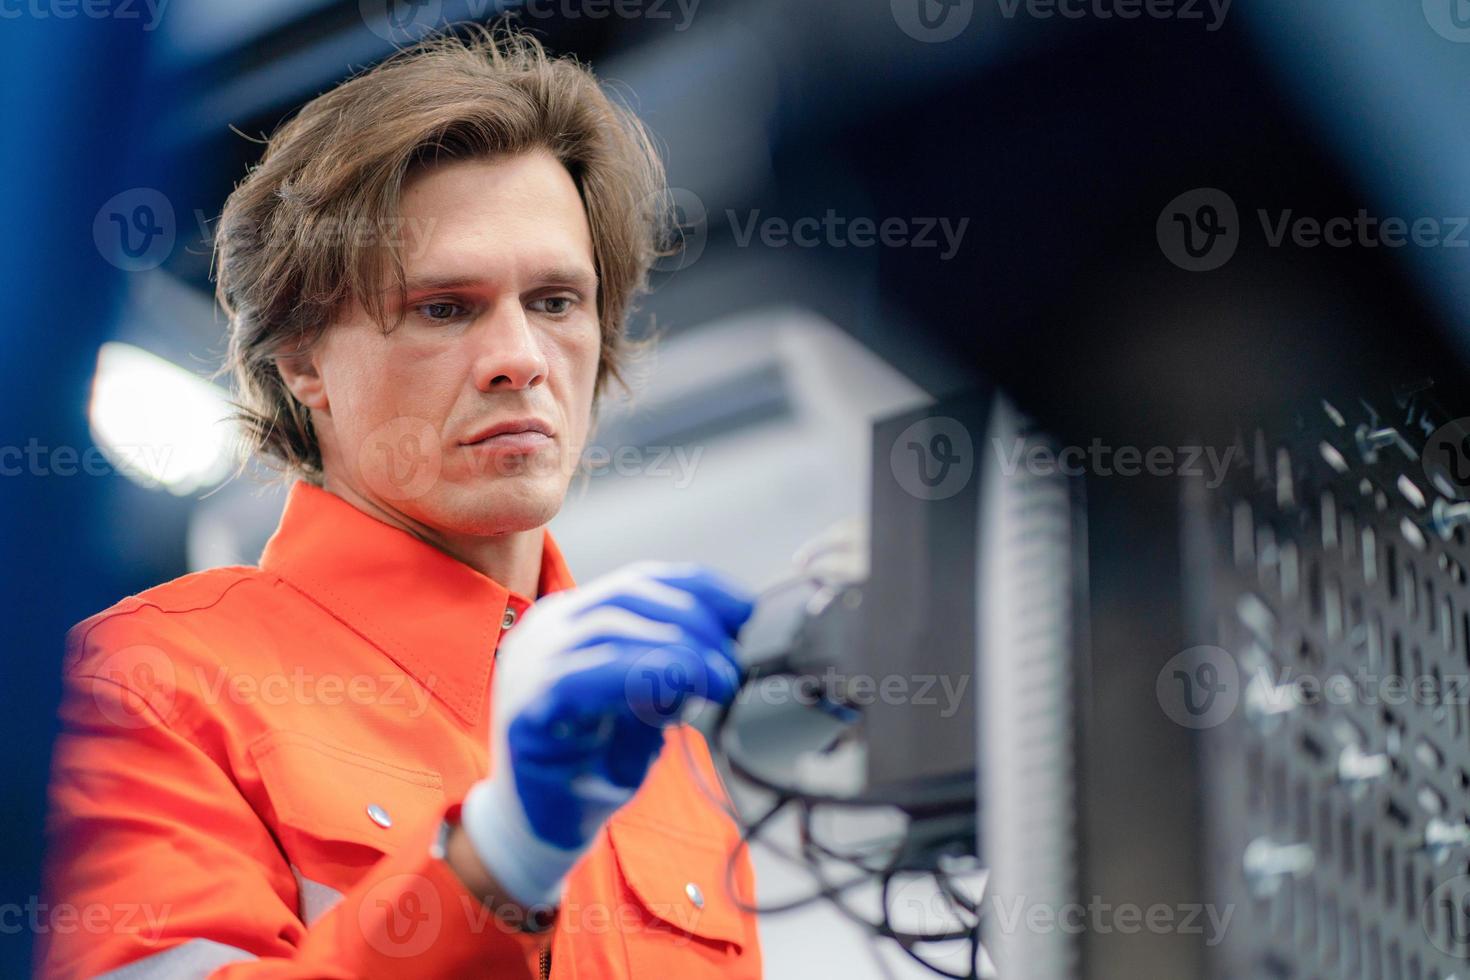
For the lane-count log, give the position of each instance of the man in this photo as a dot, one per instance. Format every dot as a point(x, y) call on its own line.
point(378, 754)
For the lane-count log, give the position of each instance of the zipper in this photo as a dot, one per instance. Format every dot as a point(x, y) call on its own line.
point(546, 962)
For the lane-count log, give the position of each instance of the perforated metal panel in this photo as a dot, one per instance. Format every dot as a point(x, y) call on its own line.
point(1335, 772)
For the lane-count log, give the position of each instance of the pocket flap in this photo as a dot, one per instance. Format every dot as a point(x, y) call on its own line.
point(330, 792)
point(680, 880)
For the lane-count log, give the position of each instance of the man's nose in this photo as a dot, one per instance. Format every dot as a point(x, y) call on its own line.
point(507, 352)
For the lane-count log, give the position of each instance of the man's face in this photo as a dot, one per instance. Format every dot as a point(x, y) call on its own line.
point(500, 328)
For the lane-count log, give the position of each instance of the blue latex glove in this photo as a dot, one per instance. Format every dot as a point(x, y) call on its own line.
point(583, 689)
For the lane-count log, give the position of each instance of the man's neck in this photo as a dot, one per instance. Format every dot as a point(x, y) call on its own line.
point(512, 559)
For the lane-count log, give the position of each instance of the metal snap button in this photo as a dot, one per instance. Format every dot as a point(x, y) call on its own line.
point(379, 816)
point(695, 895)
point(509, 619)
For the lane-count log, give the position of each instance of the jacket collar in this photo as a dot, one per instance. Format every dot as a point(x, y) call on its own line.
point(431, 614)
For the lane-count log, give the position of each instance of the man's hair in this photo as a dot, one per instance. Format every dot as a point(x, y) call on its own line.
point(310, 228)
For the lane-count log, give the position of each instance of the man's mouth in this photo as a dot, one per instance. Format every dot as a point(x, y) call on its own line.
point(522, 435)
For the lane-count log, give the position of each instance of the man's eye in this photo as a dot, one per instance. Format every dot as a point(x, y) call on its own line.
point(566, 307)
point(442, 311)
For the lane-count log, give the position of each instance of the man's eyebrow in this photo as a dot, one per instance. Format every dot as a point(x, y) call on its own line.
point(567, 276)
point(425, 283)
point(551, 275)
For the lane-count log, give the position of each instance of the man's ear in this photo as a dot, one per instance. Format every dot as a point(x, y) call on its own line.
point(303, 378)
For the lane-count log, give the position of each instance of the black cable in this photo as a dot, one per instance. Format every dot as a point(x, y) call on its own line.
point(814, 852)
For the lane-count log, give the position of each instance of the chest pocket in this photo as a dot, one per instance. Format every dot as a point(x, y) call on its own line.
point(336, 811)
point(690, 918)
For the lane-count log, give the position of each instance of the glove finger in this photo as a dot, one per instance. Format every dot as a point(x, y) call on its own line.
point(616, 625)
point(606, 627)
point(669, 683)
point(692, 617)
point(730, 604)
point(635, 744)
point(663, 679)
point(650, 681)
point(638, 578)
point(546, 736)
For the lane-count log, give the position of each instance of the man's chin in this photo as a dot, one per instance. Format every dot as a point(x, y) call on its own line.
point(490, 507)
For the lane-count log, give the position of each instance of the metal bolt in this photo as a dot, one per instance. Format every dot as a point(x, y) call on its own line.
point(1440, 835)
point(1371, 440)
point(1356, 767)
point(1446, 516)
point(1268, 864)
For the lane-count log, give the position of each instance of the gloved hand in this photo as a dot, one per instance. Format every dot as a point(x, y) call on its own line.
point(583, 689)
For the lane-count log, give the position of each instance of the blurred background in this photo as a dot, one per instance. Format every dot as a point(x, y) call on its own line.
point(886, 201)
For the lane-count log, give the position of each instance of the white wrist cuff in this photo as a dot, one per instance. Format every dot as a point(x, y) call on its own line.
point(530, 869)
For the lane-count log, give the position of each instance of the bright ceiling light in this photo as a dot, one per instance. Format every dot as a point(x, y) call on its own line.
point(161, 425)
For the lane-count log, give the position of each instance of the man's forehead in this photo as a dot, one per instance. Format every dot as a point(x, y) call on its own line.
point(504, 186)
point(477, 223)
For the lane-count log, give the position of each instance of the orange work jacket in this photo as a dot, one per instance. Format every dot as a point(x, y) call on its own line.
point(256, 764)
